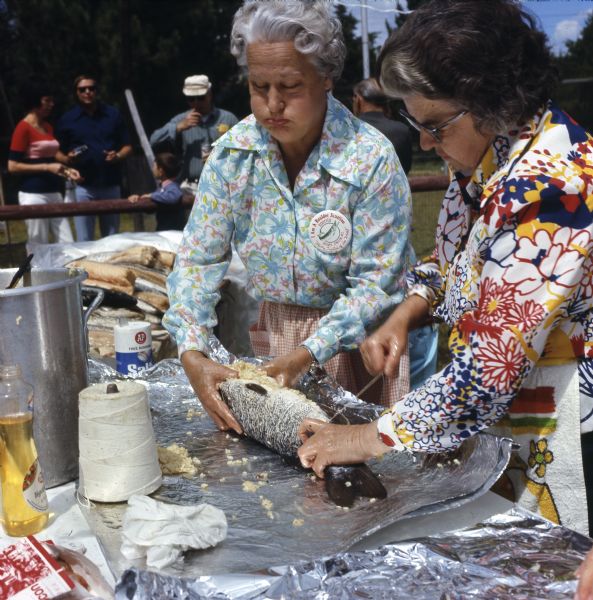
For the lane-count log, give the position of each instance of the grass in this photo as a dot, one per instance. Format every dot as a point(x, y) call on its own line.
point(426, 207)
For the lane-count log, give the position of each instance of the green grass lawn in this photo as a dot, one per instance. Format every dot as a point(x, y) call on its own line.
point(426, 211)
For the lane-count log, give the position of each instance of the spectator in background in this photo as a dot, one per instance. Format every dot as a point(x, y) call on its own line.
point(34, 154)
point(95, 140)
point(169, 212)
point(370, 104)
point(191, 133)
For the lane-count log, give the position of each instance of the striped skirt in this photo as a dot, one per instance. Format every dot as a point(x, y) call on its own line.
point(283, 327)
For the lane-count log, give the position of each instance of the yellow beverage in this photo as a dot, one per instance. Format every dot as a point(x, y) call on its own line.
point(23, 498)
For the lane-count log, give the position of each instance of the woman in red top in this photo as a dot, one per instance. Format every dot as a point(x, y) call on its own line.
point(34, 154)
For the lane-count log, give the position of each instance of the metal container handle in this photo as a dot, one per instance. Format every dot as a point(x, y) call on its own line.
point(99, 295)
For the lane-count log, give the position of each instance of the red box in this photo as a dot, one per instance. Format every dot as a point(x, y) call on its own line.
point(29, 572)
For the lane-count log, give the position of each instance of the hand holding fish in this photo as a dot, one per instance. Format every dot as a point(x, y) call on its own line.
point(205, 375)
point(327, 444)
point(289, 368)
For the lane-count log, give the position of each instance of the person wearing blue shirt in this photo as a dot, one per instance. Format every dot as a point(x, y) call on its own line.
point(94, 137)
point(190, 134)
point(169, 211)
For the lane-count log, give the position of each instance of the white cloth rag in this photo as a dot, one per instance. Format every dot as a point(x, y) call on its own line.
point(161, 532)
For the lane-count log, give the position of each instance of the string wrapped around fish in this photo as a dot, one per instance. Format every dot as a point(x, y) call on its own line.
point(271, 415)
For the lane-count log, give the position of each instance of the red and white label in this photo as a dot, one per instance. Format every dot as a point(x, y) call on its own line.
point(29, 572)
point(34, 488)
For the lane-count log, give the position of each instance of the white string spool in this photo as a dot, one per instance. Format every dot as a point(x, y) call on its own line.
point(118, 455)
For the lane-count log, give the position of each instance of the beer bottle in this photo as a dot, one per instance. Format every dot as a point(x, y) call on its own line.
point(23, 501)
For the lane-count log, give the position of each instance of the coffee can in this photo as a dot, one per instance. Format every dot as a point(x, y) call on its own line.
point(133, 348)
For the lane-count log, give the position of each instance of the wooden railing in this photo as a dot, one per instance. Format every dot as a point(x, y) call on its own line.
point(16, 212)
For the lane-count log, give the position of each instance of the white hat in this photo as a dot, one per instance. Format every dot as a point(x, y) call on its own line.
point(196, 85)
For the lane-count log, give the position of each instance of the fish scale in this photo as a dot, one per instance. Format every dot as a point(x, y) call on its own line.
point(273, 418)
point(272, 415)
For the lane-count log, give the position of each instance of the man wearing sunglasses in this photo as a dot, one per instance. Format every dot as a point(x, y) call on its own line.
point(190, 134)
point(94, 137)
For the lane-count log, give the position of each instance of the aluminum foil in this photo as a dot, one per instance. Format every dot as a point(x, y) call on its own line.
point(509, 556)
point(287, 516)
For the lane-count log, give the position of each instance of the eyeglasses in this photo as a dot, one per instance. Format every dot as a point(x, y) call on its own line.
point(434, 132)
point(86, 88)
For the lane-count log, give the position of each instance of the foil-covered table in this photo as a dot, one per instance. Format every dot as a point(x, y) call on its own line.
point(278, 513)
point(510, 556)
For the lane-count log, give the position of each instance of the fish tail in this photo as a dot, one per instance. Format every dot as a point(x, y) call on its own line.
point(367, 483)
point(343, 484)
point(337, 490)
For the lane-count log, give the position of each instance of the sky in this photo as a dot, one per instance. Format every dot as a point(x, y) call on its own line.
point(562, 20)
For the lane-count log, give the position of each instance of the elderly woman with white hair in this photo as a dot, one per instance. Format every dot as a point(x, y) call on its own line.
point(315, 203)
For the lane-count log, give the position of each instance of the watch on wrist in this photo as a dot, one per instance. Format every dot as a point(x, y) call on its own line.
point(314, 362)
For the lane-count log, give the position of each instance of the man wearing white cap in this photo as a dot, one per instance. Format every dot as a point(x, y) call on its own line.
point(192, 132)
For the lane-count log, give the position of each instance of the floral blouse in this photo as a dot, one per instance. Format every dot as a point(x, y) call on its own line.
point(512, 274)
point(244, 198)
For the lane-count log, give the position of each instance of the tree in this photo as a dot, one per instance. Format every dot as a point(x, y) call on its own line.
point(141, 44)
point(577, 98)
point(353, 72)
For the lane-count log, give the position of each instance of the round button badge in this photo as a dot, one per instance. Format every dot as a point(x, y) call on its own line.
point(330, 231)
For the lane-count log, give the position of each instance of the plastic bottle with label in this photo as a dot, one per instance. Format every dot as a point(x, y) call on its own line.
point(23, 501)
point(70, 191)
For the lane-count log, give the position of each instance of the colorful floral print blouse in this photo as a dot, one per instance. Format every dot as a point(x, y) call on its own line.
point(244, 197)
point(513, 276)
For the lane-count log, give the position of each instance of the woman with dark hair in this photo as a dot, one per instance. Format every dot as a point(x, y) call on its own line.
point(315, 203)
point(33, 155)
point(512, 272)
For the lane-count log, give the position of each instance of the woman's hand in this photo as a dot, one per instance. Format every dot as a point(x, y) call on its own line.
point(289, 368)
point(205, 375)
point(326, 444)
point(55, 168)
point(382, 350)
point(73, 174)
point(585, 575)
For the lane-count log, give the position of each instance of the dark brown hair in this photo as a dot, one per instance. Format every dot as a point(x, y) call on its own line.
point(79, 78)
point(33, 92)
point(169, 164)
point(370, 90)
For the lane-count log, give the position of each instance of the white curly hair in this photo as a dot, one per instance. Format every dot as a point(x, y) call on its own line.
point(310, 24)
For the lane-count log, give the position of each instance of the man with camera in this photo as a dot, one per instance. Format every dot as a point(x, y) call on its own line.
point(94, 137)
point(190, 134)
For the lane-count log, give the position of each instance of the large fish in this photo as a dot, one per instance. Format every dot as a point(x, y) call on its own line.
point(272, 415)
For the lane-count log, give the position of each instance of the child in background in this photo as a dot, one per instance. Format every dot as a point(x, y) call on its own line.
point(169, 212)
